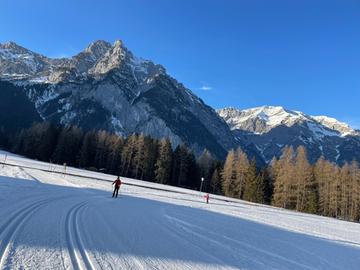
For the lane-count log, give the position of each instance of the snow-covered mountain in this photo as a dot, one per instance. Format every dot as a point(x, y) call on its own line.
point(270, 128)
point(107, 87)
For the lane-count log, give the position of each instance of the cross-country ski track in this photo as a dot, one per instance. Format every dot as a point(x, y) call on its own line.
point(49, 220)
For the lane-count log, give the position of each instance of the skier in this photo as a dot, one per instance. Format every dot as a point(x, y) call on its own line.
point(117, 183)
point(207, 196)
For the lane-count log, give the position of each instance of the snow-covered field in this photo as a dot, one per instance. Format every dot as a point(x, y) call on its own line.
point(52, 221)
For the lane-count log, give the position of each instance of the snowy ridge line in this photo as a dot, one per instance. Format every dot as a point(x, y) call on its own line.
point(79, 257)
point(10, 228)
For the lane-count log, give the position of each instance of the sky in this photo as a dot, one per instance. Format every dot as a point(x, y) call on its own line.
point(302, 55)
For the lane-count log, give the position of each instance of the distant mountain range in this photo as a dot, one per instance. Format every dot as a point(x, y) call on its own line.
point(269, 129)
point(107, 87)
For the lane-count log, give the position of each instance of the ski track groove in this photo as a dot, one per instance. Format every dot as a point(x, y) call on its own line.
point(78, 255)
point(188, 228)
point(10, 228)
point(167, 227)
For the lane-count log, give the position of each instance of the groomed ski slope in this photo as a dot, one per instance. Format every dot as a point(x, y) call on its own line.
point(52, 221)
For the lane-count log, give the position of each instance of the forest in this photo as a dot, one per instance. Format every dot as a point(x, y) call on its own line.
point(290, 182)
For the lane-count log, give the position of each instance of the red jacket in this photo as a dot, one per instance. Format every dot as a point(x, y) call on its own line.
point(117, 182)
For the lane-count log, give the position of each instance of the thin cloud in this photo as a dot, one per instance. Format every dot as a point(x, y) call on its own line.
point(206, 88)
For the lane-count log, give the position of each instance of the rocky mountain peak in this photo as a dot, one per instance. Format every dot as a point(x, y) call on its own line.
point(98, 48)
point(262, 119)
point(113, 58)
point(14, 47)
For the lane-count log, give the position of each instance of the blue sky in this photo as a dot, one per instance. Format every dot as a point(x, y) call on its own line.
point(303, 55)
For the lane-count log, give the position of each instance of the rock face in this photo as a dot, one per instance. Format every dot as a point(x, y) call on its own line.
point(268, 129)
point(107, 87)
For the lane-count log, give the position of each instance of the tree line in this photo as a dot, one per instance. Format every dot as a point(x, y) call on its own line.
point(137, 156)
point(290, 181)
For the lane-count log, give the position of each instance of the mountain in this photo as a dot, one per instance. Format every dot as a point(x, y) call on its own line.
point(107, 87)
point(269, 129)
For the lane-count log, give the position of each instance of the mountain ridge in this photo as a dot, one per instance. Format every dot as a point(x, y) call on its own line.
point(270, 128)
point(109, 87)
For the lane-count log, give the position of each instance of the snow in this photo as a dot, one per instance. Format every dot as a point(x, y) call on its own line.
point(274, 116)
point(338, 154)
point(48, 94)
point(334, 124)
point(116, 123)
point(319, 131)
point(67, 117)
point(49, 220)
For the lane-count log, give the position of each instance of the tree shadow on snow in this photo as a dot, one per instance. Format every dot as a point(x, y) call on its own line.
point(156, 232)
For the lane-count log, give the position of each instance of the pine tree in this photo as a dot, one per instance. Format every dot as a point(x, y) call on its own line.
point(254, 186)
point(68, 145)
point(216, 181)
point(113, 163)
point(164, 162)
point(180, 166)
point(206, 168)
point(102, 149)
point(139, 157)
point(150, 157)
point(268, 184)
point(87, 150)
point(127, 156)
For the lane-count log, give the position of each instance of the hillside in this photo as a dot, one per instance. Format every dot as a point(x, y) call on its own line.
point(52, 220)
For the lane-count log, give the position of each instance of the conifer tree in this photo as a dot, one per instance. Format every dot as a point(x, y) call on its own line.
point(324, 173)
point(268, 184)
point(139, 157)
point(335, 193)
point(87, 150)
point(229, 175)
point(304, 184)
point(150, 157)
point(127, 156)
point(254, 186)
point(345, 197)
point(355, 192)
point(242, 168)
point(180, 166)
point(68, 145)
point(283, 178)
point(114, 154)
point(164, 162)
point(216, 181)
point(206, 168)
